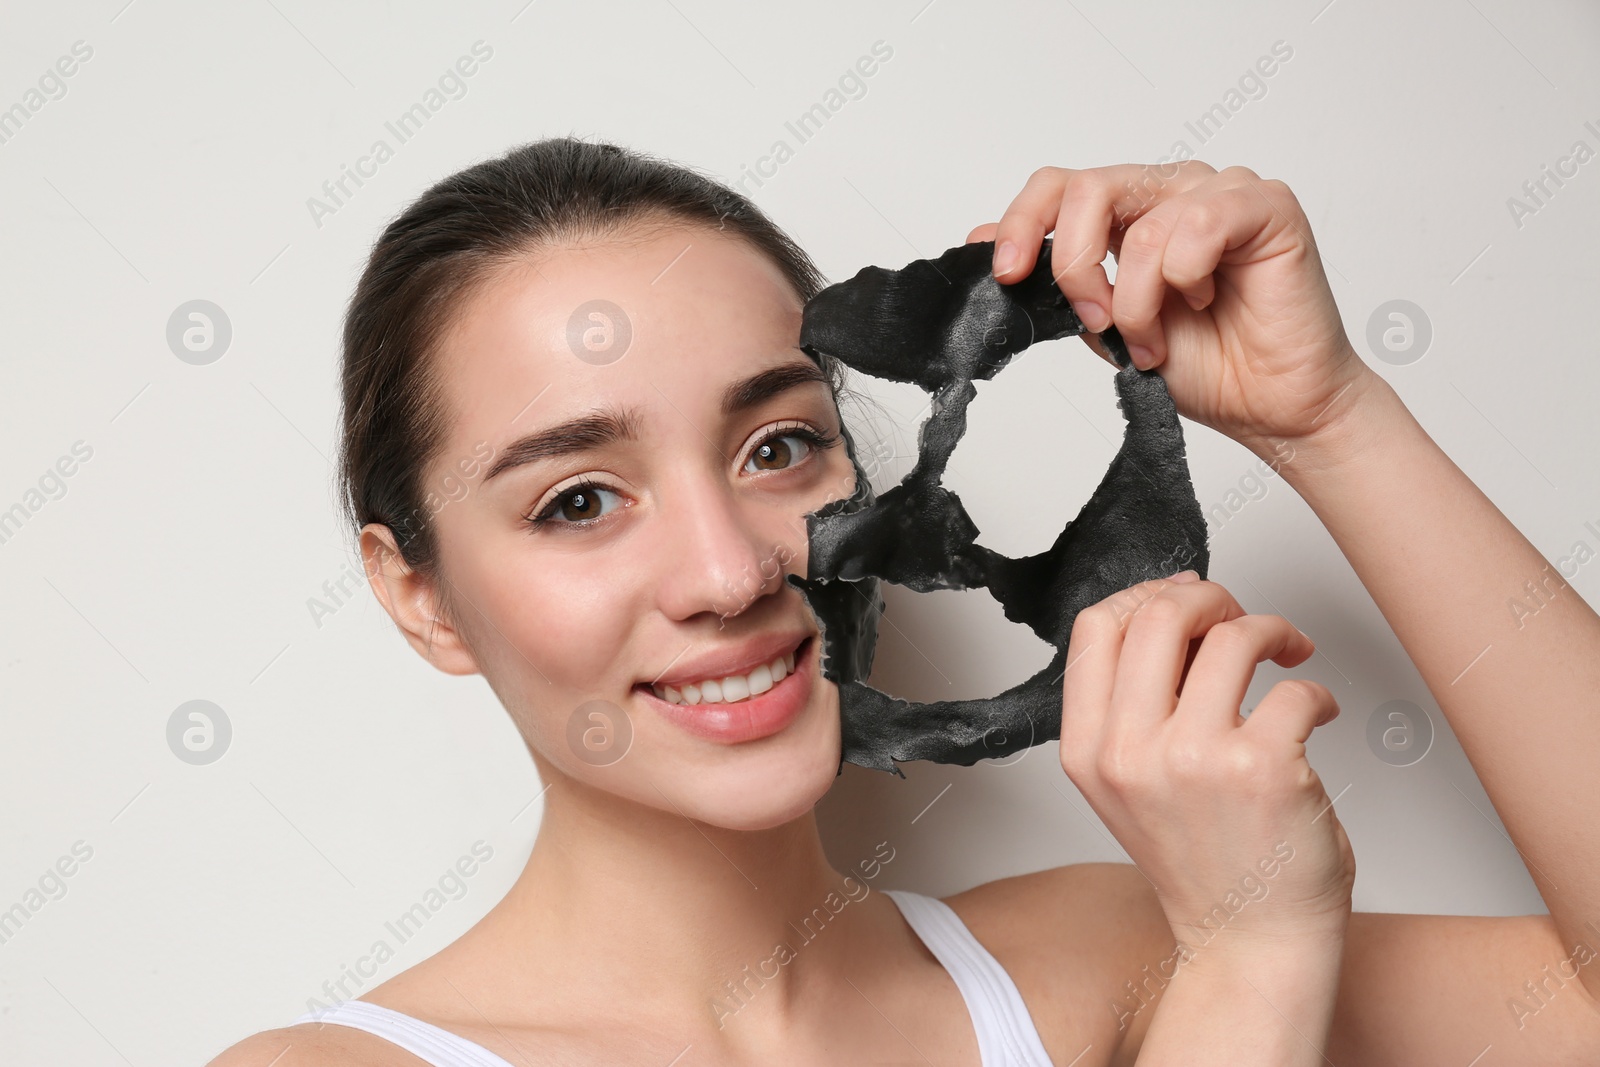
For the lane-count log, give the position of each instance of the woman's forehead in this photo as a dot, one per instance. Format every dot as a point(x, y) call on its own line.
point(674, 315)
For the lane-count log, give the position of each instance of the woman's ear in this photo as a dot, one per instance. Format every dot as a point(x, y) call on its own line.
point(413, 602)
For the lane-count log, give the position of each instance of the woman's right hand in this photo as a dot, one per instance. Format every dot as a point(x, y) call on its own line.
point(1222, 813)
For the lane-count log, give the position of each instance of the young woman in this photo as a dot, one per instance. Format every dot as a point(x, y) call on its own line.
point(633, 463)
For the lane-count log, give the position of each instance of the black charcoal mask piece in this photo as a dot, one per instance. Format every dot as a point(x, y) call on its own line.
point(943, 324)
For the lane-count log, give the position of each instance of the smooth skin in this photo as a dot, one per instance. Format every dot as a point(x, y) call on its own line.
point(633, 907)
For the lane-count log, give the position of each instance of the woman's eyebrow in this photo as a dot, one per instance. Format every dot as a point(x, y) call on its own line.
point(763, 386)
point(585, 433)
point(602, 426)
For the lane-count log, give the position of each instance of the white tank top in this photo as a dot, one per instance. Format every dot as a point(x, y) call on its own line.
point(1005, 1030)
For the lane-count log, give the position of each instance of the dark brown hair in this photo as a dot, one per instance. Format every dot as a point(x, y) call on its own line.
point(450, 240)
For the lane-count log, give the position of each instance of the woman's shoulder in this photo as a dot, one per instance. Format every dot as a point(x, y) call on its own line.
point(315, 1045)
point(1072, 938)
point(1108, 902)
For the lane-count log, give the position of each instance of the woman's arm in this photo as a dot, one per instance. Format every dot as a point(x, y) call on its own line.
point(1520, 686)
point(1220, 288)
point(1228, 1006)
point(1222, 814)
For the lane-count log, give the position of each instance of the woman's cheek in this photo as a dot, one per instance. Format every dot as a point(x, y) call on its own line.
point(574, 621)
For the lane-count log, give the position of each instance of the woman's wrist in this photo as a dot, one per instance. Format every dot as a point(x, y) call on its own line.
point(1352, 427)
point(1245, 1004)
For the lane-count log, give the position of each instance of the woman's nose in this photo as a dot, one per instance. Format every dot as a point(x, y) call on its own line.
point(719, 553)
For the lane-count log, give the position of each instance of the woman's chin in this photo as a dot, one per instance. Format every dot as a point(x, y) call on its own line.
point(767, 789)
point(774, 797)
point(730, 814)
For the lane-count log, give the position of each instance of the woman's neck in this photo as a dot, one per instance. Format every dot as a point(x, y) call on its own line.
point(680, 918)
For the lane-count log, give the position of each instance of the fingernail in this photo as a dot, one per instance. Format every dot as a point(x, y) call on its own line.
point(1142, 356)
point(1092, 315)
point(1184, 576)
point(1005, 257)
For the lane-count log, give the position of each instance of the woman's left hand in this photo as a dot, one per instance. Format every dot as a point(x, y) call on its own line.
point(1218, 279)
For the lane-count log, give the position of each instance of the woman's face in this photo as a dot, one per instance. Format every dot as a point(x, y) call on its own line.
point(593, 562)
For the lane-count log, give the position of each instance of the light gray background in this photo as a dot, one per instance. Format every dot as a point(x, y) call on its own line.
point(179, 562)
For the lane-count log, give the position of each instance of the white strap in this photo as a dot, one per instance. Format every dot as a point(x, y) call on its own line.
point(1007, 1036)
point(424, 1040)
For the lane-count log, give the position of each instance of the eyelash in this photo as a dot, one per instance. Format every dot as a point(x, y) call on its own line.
point(817, 439)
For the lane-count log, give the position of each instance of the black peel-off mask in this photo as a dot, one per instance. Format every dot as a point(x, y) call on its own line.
point(943, 324)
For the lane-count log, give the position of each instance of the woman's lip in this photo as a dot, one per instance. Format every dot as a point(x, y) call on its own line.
point(750, 718)
point(726, 666)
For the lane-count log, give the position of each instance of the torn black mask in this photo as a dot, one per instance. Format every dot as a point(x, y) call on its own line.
point(943, 324)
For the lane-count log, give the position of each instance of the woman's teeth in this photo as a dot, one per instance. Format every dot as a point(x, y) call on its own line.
point(733, 688)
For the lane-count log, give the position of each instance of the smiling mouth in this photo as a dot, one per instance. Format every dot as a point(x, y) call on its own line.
point(733, 688)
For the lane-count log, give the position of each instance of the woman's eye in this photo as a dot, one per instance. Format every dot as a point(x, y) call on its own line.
point(580, 504)
point(780, 455)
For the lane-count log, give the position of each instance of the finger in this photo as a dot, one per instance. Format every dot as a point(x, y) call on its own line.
point(1180, 244)
point(983, 233)
point(1096, 208)
point(1083, 229)
point(1029, 217)
point(1145, 690)
point(1141, 290)
point(1127, 190)
point(1291, 710)
point(1092, 653)
point(1226, 664)
point(1213, 224)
